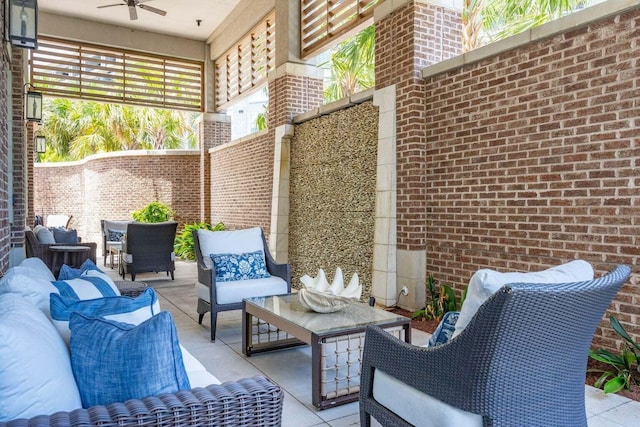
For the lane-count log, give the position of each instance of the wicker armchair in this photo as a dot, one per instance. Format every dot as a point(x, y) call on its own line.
point(521, 361)
point(41, 250)
point(108, 227)
point(148, 247)
point(207, 281)
point(248, 402)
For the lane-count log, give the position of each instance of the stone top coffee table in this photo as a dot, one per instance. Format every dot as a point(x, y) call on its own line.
point(336, 339)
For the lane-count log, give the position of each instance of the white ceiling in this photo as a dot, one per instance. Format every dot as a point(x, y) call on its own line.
point(180, 19)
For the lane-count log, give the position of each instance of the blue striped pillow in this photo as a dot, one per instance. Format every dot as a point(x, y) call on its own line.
point(91, 284)
point(119, 308)
point(67, 272)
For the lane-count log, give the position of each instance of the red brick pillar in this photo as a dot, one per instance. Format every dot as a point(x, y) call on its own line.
point(22, 155)
point(213, 130)
point(296, 89)
point(410, 35)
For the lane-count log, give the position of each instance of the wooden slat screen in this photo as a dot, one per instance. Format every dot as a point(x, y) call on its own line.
point(322, 21)
point(77, 70)
point(247, 64)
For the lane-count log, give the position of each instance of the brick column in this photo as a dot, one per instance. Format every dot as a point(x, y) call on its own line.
point(213, 129)
point(410, 35)
point(293, 89)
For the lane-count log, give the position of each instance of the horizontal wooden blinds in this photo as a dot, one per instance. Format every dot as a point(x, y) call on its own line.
point(77, 70)
point(248, 62)
point(322, 21)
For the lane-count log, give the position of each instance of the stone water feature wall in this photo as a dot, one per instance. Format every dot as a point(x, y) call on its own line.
point(332, 194)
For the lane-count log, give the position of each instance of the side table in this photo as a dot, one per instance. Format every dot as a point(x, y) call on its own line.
point(72, 256)
point(129, 288)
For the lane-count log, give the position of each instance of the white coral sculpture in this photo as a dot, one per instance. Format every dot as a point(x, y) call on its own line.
point(320, 296)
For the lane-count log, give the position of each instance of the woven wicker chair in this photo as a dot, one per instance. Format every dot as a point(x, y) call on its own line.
point(207, 277)
point(247, 402)
point(148, 247)
point(107, 226)
point(41, 250)
point(521, 361)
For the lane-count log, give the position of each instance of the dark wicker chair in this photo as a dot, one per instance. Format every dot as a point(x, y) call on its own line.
point(148, 247)
point(207, 277)
point(109, 225)
point(34, 248)
point(521, 361)
point(247, 402)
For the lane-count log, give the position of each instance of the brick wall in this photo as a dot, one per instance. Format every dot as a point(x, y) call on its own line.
point(114, 185)
point(533, 160)
point(242, 182)
point(291, 95)
point(21, 148)
point(4, 168)
point(412, 37)
point(210, 134)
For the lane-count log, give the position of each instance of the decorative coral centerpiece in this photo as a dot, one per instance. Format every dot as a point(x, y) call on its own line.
point(320, 296)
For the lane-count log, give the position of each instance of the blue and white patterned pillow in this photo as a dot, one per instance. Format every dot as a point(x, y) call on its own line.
point(445, 329)
point(231, 267)
point(115, 235)
point(115, 362)
point(91, 284)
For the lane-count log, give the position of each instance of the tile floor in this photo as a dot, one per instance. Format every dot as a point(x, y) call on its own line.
point(291, 369)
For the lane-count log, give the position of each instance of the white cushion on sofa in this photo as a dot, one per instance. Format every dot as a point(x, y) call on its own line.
point(197, 373)
point(31, 286)
point(418, 408)
point(35, 373)
point(485, 283)
point(38, 268)
point(235, 291)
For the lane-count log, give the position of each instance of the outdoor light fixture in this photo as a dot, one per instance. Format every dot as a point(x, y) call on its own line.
point(41, 144)
point(23, 23)
point(32, 105)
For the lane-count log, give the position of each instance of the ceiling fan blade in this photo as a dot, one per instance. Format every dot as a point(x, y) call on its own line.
point(133, 15)
point(111, 5)
point(152, 9)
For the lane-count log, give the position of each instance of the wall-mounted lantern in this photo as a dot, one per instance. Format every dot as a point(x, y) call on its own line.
point(23, 23)
point(41, 144)
point(32, 105)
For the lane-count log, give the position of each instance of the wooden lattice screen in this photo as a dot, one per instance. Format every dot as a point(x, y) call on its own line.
point(246, 64)
point(79, 70)
point(322, 21)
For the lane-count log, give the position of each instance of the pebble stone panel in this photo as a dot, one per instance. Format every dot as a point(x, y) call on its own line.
point(332, 195)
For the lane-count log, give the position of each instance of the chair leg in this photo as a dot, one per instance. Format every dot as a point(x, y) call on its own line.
point(105, 260)
point(171, 275)
point(200, 317)
point(214, 319)
point(133, 277)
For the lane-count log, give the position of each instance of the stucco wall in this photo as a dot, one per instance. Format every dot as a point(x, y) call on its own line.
point(111, 186)
point(332, 191)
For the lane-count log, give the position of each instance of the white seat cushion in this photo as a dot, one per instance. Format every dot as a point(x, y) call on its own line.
point(418, 408)
point(197, 373)
point(33, 287)
point(235, 291)
point(38, 268)
point(485, 283)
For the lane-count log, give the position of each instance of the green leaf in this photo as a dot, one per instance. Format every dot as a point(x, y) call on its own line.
point(614, 385)
point(604, 377)
point(615, 324)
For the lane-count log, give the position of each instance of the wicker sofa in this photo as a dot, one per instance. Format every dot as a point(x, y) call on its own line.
point(41, 250)
point(250, 401)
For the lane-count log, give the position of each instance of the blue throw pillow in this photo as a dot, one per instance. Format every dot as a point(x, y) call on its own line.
point(60, 235)
point(445, 329)
point(115, 235)
point(122, 309)
point(67, 272)
point(91, 284)
point(231, 267)
point(115, 362)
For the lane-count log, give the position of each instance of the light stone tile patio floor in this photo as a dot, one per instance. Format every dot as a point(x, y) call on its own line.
point(291, 368)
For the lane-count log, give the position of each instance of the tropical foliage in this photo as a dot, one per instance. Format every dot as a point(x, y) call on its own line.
point(76, 129)
point(185, 246)
point(153, 212)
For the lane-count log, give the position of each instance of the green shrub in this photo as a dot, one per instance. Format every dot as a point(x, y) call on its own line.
point(439, 302)
point(153, 212)
point(626, 365)
point(185, 246)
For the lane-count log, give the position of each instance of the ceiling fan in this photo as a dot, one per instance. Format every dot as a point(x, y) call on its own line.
point(132, 4)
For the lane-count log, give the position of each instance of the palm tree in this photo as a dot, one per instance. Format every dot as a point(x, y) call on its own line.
point(351, 66)
point(486, 21)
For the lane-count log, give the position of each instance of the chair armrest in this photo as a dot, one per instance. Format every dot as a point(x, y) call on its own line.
point(434, 371)
point(249, 401)
point(206, 275)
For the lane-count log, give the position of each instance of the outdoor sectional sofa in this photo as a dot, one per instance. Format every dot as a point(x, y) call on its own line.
point(35, 362)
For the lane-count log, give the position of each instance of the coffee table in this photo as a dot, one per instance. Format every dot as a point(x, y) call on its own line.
point(336, 339)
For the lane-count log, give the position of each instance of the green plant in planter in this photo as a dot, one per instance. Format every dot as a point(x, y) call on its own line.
point(626, 364)
point(440, 301)
point(185, 246)
point(153, 212)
